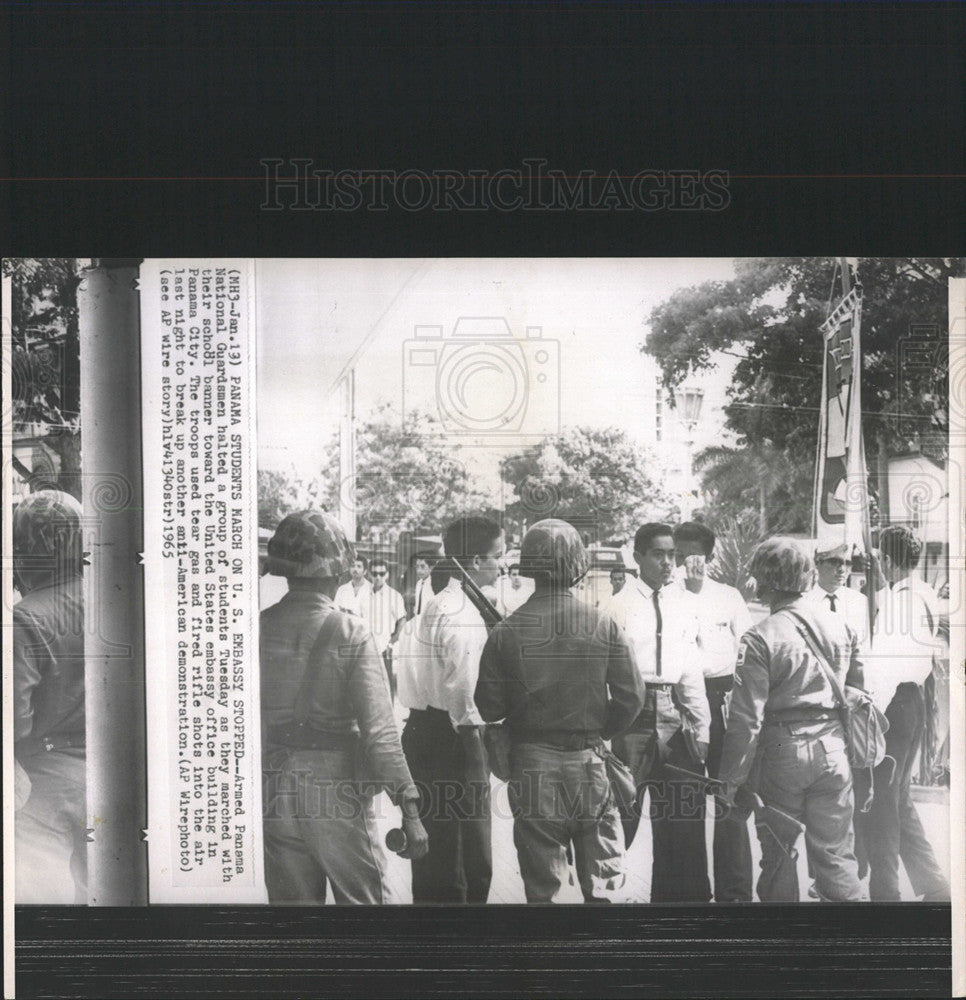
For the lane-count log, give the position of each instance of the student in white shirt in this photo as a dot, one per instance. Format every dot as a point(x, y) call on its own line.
point(354, 595)
point(724, 619)
point(443, 736)
point(660, 623)
point(513, 590)
point(423, 590)
point(903, 645)
point(385, 613)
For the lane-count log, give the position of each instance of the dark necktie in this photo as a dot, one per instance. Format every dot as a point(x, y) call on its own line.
point(419, 597)
point(657, 634)
point(831, 600)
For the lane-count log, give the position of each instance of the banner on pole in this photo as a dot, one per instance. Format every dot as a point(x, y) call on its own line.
point(842, 499)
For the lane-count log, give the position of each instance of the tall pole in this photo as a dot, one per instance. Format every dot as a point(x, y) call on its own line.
point(347, 453)
point(108, 307)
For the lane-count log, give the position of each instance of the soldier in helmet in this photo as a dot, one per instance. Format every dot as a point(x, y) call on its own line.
point(562, 676)
point(48, 677)
point(329, 738)
point(784, 715)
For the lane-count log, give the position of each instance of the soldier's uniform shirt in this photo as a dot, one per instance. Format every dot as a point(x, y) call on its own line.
point(784, 711)
point(562, 676)
point(723, 619)
point(351, 724)
point(682, 655)
point(49, 711)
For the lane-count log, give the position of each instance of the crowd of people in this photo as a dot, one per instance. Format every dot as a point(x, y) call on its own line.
point(667, 686)
point(664, 701)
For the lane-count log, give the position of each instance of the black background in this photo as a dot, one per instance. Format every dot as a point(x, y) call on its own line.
point(138, 130)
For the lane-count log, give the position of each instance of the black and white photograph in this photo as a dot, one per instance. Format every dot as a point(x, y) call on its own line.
point(496, 526)
point(610, 581)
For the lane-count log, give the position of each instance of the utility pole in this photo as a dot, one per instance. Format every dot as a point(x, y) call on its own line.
point(110, 354)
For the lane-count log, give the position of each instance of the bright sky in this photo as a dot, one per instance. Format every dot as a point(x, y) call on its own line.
point(317, 315)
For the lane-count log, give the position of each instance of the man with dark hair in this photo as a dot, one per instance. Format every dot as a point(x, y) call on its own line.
point(724, 619)
point(661, 625)
point(386, 611)
point(443, 736)
point(354, 595)
point(903, 647)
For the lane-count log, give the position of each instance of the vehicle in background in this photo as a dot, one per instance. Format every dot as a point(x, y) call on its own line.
point(595, 588)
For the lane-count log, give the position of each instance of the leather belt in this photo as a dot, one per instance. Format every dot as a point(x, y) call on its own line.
point(296, 737)
point(30, 746)
point(560, 739)
point(648, 686)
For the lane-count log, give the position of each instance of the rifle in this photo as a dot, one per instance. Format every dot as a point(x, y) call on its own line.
point(452, 567)
point(783, 828)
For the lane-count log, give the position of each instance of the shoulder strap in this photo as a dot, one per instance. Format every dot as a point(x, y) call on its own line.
point(805, 631)
point(321, 641)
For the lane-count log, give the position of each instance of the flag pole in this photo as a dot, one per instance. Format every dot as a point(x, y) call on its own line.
point(860, 444)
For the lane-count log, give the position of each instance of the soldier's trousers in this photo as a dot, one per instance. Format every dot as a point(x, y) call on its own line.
point(805, 772)
point(892, 829)
point(50, 840)
point(562, 797)
point(319, 825)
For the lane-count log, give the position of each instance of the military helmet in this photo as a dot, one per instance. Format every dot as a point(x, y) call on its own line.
point(309, 543)
point(47, 523)
point(783, 564)
point(553, 549)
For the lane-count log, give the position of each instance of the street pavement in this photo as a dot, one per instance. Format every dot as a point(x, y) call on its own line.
point(507, 885)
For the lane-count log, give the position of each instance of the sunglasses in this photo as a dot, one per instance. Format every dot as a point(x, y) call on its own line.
point(380, 572)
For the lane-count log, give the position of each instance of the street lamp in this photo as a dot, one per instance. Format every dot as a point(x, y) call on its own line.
point(691, 398)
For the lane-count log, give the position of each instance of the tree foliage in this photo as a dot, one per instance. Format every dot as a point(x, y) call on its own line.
point(45, 356)
point(598, 479)
point(770, 315)
point(407, 478)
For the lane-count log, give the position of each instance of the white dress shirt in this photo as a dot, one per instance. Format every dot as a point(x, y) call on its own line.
point(682, 654)
point(438, 656)
point(422, 592)
point(850, 604)
point(358, 603)
point(905, 639)
point(385, 608)
point(723, 618)
point(508, 599)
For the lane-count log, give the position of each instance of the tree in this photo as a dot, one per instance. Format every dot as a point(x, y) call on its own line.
point(771, 314)
point(45, 356)
point(599, 480)
point(407, 477)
